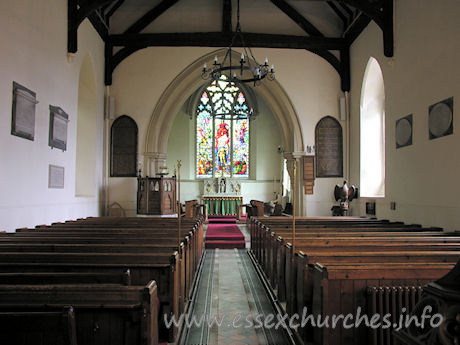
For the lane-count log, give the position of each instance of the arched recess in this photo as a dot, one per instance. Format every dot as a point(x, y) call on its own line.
point(85, 167)
point(372, 137)
point(178, 92)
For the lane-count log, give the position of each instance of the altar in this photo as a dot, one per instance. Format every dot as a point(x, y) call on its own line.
point(222, 196)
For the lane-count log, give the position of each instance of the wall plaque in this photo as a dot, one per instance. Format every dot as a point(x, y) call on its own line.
point(58, 128)
point(329, 148)
point(403, 133)
point(55, 177)
point(440, 118)
point(23, 112)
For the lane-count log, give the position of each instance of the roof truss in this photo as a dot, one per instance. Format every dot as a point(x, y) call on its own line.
point(354, 14)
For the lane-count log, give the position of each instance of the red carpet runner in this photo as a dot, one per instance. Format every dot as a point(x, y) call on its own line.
point(223, 233)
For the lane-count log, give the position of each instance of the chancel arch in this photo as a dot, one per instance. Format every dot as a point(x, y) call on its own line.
point(187, 82)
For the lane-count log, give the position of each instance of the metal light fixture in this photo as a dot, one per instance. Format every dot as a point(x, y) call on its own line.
point(247, 71)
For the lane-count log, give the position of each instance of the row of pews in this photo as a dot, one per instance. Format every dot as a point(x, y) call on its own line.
point(101, 280)
point(338, 265)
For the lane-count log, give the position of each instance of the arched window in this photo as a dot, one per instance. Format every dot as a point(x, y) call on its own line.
point(373, 132)
point(222, 131)
point(123, 148)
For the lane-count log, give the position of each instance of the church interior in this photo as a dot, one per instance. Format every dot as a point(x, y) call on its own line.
point(228, 158)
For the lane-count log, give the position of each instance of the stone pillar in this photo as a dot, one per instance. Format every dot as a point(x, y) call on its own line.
point(295, 158)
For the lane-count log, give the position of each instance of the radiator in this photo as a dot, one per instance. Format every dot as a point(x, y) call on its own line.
point(383, 300)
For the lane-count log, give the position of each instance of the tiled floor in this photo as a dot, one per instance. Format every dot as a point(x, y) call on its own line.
point(230, 295)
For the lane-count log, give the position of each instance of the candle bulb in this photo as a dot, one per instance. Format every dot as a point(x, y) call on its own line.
point(242, 57)
point(215, 60)
point(273, 68)
point(266, 60)
point(205, 66)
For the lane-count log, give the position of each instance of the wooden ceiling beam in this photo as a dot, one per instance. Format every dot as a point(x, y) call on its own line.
point(300, 20)
point(312, 31)
point(113, 9)
point(356, 28)
point(150, 16)
point(339, 13)
point(113, 60)
point(347, 9)
point(388, 29)
point(224, 39)
point(86, 7)
point(381, 12)
point(345, 69)
point(72, 26)
point(77, 11)
point(99, 25)
point(373, 10)
point(227, 16)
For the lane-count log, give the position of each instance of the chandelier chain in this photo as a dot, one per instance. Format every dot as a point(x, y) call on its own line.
point(250, 71)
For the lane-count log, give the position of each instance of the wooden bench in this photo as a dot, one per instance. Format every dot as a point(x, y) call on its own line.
point(189, 252)
point(351, 257)
point(271, 256)
point(38, 327)
point(104, 314)
point(53, 278)
point(342, 289)
point(101, 248)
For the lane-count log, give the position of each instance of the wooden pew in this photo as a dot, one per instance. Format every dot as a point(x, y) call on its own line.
point(190, 252)
point(273, 256)
point(53, 278)
point(102, 238)
point(38, 327)
point(123, 234)
point(342, 289)
point(104, 314)
point(184, 263)
point(336, 246)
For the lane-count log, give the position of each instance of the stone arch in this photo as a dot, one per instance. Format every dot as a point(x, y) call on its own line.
point(179, 90)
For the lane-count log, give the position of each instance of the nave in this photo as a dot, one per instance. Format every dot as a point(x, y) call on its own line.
point(112, 281)
point(231, 294)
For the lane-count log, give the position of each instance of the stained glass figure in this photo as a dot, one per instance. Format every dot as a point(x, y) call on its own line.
point(204, 138)
point(222, 148)
point(222, 127)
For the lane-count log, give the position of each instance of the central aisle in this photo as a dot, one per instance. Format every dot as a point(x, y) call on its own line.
point(229, 297)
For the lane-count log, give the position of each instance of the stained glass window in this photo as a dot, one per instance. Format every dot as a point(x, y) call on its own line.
point(222, 131)
point(204, 138)
point(240, 147)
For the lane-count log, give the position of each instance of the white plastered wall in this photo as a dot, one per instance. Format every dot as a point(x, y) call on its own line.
point(33, 37)
point(423, 178)
point(141, 82)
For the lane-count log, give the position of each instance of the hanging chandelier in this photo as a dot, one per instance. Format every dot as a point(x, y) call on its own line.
point(248, 70)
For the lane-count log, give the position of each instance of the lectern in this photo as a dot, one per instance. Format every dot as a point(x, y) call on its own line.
point(156, 195)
